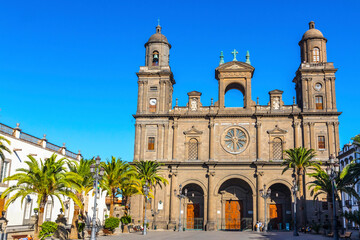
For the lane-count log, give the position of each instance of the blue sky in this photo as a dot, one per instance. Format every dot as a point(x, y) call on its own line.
point(67, 68)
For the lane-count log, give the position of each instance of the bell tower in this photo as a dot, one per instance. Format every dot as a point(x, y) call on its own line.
point(315, 78)
point(155, 79)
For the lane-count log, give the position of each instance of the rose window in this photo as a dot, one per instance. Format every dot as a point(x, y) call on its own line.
point(235, 140)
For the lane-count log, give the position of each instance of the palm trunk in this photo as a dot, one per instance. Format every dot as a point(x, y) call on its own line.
point(301, 191)
point(40, 221)
point(74, 234)
point(112, 206)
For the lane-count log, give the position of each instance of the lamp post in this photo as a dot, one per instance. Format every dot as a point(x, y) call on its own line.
point(97, 173)
point(146, 190)
point(265, 194)
point(332, 170)
point(294, 190)
point(180, 196)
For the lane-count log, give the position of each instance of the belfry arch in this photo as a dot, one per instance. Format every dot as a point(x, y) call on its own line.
point(240, 102)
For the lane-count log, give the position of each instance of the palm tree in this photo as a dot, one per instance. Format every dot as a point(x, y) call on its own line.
point(3, 147)
point(117, 173)
point(82, 169)
point(299, 159)
point(44, 179)
point(148, 171)
point(131, 187)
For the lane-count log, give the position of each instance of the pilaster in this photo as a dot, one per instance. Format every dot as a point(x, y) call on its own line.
point(142, 140)
point(258, 140)
point(296, 126)
point(173, 208)
point(331, 140)
point(211, 139)
point(312, 135)
point(174, 147)
point(210, 225)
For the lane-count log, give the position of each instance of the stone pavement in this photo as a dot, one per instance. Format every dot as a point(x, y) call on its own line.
point(216, 235)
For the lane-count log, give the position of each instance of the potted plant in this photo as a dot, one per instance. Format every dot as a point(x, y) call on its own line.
point(125, 220)
point(47, 229)
point(110, 224)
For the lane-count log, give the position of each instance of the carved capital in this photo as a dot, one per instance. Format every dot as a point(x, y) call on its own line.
point(211, 125)
point(296, 124)
point(210, 173)
point(258, 124)
point(329, 79)
point(307, 79)
point(330, 123)
point(175, 125)
point(311, 124)
point(336, 124)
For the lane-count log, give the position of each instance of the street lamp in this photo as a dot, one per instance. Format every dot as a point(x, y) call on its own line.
point(180, 196)
point(294, 190)
point(146, 190)
point(97, 173)
point(265, 194)
point(332, 170)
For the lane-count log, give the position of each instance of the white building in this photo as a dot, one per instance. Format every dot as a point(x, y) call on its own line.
point(20, 215)
point(349, 153)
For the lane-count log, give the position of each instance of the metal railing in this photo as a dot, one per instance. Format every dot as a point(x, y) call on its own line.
point(52, 147)
point(29, 138)
point(194, 224)
point(6, 129)
point(70, 154)
point(234, 224)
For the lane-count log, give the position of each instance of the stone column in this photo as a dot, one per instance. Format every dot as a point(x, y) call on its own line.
point(254, 208)
point(328, 93)
point(174, 147)
point(309, 88)
point(331, 140)
point(140, 96)
point(306, 134)
point(173, 202)
point(142, 141)
point(296, 134)
point(145, 99)
point(166, 136)
point(333, 96)
point(210, 225)
point(312, 135)
point(137, 142)
point(337, 141)
point(259, 199)
point(304, 94)
point(158, 144)
point(258, 140)
point(211, 139)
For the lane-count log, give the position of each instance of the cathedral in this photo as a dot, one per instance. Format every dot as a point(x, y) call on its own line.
point(221, 159)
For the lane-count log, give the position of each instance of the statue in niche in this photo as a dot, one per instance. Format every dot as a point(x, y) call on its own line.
point(276, 103)
point(193, 104)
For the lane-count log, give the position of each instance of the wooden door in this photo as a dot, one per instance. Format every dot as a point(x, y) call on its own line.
point(233, 215)
point(275, 214)
point(193, 211)
point(2, 205)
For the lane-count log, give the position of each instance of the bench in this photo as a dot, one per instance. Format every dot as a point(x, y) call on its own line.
point(16, 237)
point(346, 235)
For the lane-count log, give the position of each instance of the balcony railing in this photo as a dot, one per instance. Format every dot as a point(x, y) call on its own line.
point(6, 129)
point(52, 147)
point(29, 138)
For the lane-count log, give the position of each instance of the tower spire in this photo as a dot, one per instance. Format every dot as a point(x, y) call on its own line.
point(221, 58)
point(248, 57)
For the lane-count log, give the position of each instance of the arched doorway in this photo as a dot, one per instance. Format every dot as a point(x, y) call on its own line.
point(236, 205)
point(280, 213)
point(194, 207)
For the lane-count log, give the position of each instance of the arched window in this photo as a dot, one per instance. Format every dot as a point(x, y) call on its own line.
point(319, 102)
point(155, 61)
point(193, 149)
point(316, 54)
point(277, 149)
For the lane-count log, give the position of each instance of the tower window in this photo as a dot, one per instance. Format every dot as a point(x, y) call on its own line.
point(153, 88)
point(151, 143)
point(155, 61)
point(316, 54)
point(319, 102)
point(277, 149)
point(193, 149)
point(321, 142)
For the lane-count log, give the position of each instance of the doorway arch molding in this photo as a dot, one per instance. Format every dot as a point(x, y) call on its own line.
point(239, 176)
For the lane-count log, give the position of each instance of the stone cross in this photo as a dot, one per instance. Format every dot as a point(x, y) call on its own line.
point(234, 53)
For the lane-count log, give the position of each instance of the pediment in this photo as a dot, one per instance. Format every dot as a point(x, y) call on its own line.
point(276, 91)
point(194, 93)
point(193, 131)
point(235, 65)
point(277, 130)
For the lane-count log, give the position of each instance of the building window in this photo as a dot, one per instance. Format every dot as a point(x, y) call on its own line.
point(48, 210)
point(155, 61)
point(4, 170)
point(277, 148)
point(153, 88)
point(193, 149)
point(319, 102)
point(151, 143)
point(316, 54)
point(321, 142)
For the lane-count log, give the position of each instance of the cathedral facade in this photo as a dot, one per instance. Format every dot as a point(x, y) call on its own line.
point(222, 157)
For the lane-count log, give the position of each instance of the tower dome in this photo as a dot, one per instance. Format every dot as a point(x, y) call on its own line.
point(312, 33)
point(158, 37)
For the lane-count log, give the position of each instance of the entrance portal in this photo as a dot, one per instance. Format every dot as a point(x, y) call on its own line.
point(279, 206)
point(194, 207)
point(233, 215)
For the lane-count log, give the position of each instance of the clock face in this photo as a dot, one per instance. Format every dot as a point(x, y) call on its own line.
point(318, 86)
point(153, 101)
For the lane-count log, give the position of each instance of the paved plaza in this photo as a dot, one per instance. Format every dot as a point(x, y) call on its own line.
point(215, 235)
